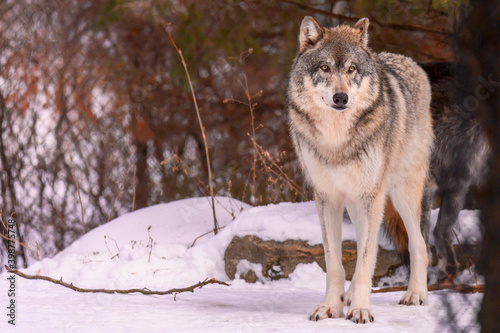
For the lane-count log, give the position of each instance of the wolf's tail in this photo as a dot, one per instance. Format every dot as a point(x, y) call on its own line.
point(395, 229)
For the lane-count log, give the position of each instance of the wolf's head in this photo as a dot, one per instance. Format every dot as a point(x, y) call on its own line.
point(334, 68)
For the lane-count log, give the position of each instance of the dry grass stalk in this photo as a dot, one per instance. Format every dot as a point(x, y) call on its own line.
point(273, 169)
point(77, 187)
point(202, 128)
point(181, 166)
point(274, 172)
point(133, 185)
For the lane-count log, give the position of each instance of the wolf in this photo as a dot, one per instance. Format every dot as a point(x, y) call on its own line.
point(362, 130)
point(458, 165)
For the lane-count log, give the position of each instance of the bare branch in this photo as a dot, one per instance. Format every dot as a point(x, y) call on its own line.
point(461, 288)
point(77, 187)
point(395, 26)
point(143, 291)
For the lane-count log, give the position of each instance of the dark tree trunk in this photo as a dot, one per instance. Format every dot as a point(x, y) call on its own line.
point(9, 203)
point(142, 188)
point(478, 42)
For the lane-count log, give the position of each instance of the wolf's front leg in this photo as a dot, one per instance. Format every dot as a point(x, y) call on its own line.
point(330, 211)
point(366, 215)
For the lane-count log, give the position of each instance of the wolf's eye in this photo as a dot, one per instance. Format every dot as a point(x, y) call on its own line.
point(325, 68)
point(351, 69)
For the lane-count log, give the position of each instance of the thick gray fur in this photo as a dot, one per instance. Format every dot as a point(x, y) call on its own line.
point(361, 128)
point(458, 162)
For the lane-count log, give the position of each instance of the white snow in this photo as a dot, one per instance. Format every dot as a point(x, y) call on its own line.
point(467, 229)
point(153, 248)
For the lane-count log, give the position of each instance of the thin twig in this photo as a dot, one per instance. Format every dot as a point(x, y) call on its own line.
point(216, 225)
point(143, 291)
point(251, 106)
point(252, 117)
point(280, 173)
point(184, 168)
point(37, 251)
point(150, 244)
point(117, 247)
point(206, 233)
point(466, 257)
point(77, 187)
point(133, 200)
point(7, 230)
point(461, 288)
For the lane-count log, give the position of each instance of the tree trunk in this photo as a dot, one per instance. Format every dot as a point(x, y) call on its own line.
point(478, 45)
point(142, 188)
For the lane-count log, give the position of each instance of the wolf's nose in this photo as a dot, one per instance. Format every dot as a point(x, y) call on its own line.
point(340, 99)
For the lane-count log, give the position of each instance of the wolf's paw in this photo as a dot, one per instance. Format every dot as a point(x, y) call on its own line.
point(447, 276)
point(360, 316)
point(414, 298)
point(323, 311)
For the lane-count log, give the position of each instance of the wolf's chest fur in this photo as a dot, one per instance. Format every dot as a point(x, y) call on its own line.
point(339, 151)
point(354, 177)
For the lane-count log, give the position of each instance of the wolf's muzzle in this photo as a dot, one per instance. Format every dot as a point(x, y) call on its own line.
point(340, 101)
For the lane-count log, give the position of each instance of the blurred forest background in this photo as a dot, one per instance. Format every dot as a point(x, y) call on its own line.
point(92, 92)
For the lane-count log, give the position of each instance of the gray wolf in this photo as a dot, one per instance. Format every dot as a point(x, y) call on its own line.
point(362, 131)
point(458, 164)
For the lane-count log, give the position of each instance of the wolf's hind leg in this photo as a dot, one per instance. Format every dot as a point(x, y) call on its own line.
point(425, 220)
point(407, 199)
point(451, 204)
point(330, 212)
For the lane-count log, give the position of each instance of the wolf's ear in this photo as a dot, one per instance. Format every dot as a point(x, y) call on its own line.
point(362, 26)
point(310, 33)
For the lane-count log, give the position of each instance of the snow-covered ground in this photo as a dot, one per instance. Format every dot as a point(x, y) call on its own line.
point(152, 248)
